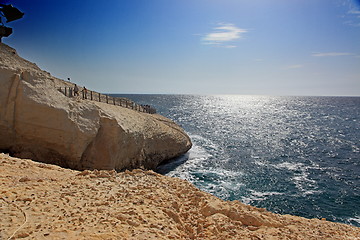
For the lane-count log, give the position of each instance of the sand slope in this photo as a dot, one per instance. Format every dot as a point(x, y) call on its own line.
point(41, 201)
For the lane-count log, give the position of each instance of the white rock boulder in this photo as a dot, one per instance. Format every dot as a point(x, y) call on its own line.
point(39, 122)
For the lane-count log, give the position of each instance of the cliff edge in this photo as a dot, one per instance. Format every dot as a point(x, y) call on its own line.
point(39, 122)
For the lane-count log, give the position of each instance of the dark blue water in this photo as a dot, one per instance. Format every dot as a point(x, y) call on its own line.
point(291, 155)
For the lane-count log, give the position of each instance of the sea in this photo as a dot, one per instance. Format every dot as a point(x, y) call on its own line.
point(290, 155)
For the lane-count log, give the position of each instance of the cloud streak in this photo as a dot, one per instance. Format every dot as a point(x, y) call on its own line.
point(224, 34)
point(354, 11)
point(331, 54)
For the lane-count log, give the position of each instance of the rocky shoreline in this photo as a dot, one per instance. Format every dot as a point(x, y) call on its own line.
point(43, 201)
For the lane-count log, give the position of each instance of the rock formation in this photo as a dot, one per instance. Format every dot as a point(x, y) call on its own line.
point(39, 122)
point(43, 201)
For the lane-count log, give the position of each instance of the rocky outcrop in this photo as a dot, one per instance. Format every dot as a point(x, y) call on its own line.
point(43, 201)
point(39, 122)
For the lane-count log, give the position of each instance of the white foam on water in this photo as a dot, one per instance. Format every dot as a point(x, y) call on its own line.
point(261, 162)
point(305, 185)
point(355, 149)
point(196, 155)
point(354, 219)
point(225, 173)
point(290, 166)
point(204, 142)
point(301, 178)
point(232, 186)
point(258, 196)
point(310, 192)
point(250, 200)
point(214, 179)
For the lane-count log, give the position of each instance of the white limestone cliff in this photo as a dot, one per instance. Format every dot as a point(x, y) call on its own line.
point(39, 122)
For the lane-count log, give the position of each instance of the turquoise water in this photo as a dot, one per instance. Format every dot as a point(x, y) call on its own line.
point(291, 155)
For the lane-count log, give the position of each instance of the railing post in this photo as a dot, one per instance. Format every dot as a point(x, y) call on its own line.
point(65, 91)
point(99, 98)
point(114, 100)
point(107, 99)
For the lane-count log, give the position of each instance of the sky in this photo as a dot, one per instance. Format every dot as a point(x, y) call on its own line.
point(245, 47)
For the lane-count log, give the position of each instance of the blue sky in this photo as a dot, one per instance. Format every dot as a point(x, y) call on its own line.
point(278, 47)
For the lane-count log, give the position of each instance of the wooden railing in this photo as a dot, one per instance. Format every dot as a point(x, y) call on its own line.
point(95, 96)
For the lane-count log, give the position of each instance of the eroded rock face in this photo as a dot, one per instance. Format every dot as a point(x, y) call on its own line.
point(39, 122)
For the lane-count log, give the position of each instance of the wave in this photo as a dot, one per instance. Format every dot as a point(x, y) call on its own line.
point(354, 220)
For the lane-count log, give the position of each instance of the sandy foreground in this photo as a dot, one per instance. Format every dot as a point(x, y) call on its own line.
point(42, 201)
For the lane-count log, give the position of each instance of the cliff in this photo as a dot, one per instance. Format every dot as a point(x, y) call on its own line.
point(39, 122)
point(42, 201)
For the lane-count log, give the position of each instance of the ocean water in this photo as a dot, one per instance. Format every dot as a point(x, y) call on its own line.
point(290, 155)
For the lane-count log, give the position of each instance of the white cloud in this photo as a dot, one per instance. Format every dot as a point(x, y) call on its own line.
point(354, 11)
point(352, 14)
point(223, 34)
point(331, 54)
point(229, 46)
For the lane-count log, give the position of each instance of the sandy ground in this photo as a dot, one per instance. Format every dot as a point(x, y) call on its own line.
point(41, 201)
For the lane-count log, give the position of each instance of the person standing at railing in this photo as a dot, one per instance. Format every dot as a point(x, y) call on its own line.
point(76, 90)
point(84, 91)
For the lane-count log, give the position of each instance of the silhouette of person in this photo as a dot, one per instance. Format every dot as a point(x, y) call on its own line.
point(84, 92)
point(76, 90)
